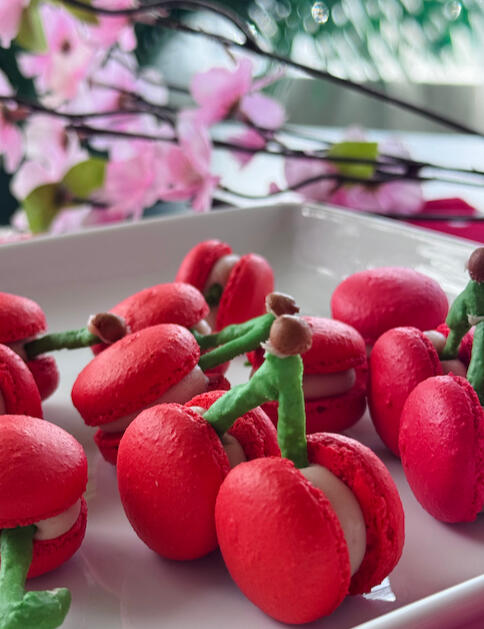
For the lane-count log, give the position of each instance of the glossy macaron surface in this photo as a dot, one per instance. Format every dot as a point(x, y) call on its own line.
point(376, 300)
point(442, 448)
point(46, 471)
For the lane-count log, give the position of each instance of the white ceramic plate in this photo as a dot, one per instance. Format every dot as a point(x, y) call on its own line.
point(115, 580)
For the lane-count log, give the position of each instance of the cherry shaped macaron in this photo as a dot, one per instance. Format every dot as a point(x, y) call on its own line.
point(296, 549)
point(157, 364)
point(235, 287)
point(376, 300)
point(400, 359)
point(442, 448)
point(171, 463)
point(19, 394)
point(22, 319)
point(175, 302)
point(42, 479)
point(335, 375)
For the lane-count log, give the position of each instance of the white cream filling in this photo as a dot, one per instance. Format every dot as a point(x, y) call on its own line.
point(219, 274)
point(203, 327)
point(347, 510)
point(3, 409)
point(194, 383)
point(454, 365)
point(325, 385)
point(51, 528)
point(234, 451)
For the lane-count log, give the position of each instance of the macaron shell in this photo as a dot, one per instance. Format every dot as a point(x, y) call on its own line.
point(20, 318)
point(465, 347)
point(199, 261)
point(171, 464)
point(46, 375)
point(244, 294)
point(177, 302)
point(399, 360)
point(50, 554)
point(281, 541)
point(133, 372)
point(442, 448)
point(108, 444)
point(254, 431)
point(334, 413)
point(370, 481)
point(46, 471)
point(376, 300)
point(17, 385)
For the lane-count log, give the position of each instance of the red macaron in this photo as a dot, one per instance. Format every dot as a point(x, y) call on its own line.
point(247, 285)
point(171, 464)
point(22, 319)
point(336, 348)
point(400, 359)
point(376, 300)
point(46, 475)
point(130, 375)
point(17, 385)
point(282, 541)
point(175, 302)
point(442, 448)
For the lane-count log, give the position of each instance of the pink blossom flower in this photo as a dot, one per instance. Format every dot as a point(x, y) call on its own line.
point(188, 174)
point(249, 139)
point(10, 16)
point(300, 170)
point(10, 135)
point(112, 30)
point(220, 92)
point(59, 71)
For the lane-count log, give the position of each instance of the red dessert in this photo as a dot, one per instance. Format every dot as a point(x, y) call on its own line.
point(19, 394)
point(335, 374)
point(156, 364)
point(171, 464)
point(244, 282)
point(164, 303)
point(376, 300)
point(43, 484)
point(442, 448)
point(287, 545)
point(22, 319)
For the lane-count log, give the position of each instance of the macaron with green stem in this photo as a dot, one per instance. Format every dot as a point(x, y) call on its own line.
point(299, 533)
point(234, 286)
point(157, 364)
point(42, 517)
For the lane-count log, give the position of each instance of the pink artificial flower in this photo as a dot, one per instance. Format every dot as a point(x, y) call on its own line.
point(50, 153)
point(220, 92)
point(299, 170)
point(59, 71)
point(10, 16)
point(188, 174)
point(113, 30)
point(249, 139)
point(10, 135)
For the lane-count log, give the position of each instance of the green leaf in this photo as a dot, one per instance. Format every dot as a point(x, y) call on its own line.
point(355, 150)
point(85, 16)
point(31, 33)
point(84, 178)
point(42, 206)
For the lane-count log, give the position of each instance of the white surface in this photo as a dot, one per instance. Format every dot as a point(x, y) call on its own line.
point(116, 581)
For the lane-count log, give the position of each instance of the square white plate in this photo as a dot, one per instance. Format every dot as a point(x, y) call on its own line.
point(119, 583)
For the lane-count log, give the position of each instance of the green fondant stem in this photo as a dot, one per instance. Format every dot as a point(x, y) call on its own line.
point(278, 379)
point(72, 339)
point(235, 340)
point(20, 609)
point(475, 372)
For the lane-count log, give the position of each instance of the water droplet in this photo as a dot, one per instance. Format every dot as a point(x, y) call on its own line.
point(320, 13)
point(452, 10)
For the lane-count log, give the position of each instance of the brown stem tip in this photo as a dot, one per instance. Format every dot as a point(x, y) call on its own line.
point(290, 335)
point(281, 304)
point(475, 265)
point(107, 326)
